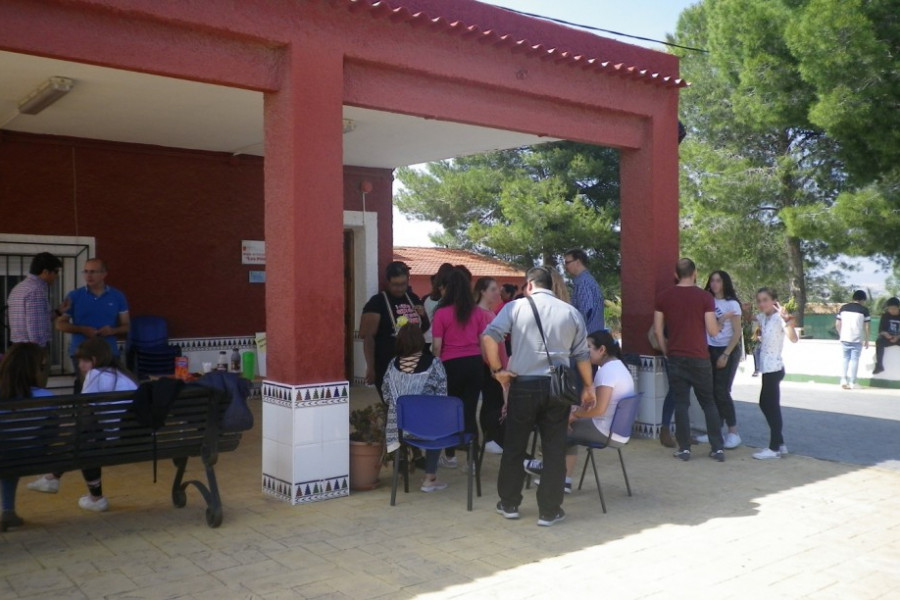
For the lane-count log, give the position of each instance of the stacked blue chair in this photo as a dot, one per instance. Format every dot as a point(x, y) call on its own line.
point(433, 423)
point(622, 425)
point(148, 350)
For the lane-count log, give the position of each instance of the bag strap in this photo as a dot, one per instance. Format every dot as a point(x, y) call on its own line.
point(390, 311)
point(537, 318)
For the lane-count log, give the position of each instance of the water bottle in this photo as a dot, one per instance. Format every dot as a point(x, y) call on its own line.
point(235, 360)
point(222, 365)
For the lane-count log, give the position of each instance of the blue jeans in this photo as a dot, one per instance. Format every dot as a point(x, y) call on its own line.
point(8, 493)
point(686, 373)
point(851, 351)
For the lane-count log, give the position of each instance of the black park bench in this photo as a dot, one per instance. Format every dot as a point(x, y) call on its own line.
point(69, 433)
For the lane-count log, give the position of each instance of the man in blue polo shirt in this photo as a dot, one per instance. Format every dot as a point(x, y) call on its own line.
point(94, 310)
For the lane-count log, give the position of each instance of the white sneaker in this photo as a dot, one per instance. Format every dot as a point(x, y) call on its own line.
point(448, 462)
point(433, 486)
point(88, 503)
point(493, 447)
point(844, 384)
point(732, 440)
point(42, 484)
point(702, 439)
point(766, 454)
point(852, 386)
point(782, 450)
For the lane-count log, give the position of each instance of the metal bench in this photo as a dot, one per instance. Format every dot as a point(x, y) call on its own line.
point(67, 433)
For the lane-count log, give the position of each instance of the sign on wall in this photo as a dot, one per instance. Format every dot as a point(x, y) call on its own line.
point(253, 252)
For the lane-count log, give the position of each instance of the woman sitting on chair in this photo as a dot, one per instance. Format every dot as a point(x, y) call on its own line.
point(414, 371)
point(612, 382)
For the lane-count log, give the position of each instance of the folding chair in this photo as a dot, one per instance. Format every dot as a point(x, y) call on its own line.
point(622, 423)
point(433, 423)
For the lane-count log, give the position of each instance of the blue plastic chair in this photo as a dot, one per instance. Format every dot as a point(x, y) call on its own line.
point(433, 423)
point(622, 424)
point(148, 351)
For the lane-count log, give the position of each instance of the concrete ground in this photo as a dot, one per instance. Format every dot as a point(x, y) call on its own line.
point(801, 527)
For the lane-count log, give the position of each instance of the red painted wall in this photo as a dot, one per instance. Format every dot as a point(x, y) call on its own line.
point(169, 222)
point(379, 200)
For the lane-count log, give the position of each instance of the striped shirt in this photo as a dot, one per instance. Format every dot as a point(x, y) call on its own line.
point(29, 311)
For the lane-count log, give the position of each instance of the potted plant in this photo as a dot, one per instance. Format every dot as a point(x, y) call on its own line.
point(791, 307)
point(366, 445)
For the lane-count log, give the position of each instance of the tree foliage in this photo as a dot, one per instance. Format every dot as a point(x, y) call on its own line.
point(525, 205)
point(848, 51)
point(752, 155)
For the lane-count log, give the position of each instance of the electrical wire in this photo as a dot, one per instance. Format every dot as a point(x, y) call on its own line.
point(609, 31)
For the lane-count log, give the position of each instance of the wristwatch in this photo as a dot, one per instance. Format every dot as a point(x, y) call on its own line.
point(497, 370)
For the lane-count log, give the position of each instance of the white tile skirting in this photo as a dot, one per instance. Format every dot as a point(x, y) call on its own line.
point(306, 441)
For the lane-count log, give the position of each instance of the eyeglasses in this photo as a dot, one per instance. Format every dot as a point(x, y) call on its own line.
point(571, 260)
point(92, 271)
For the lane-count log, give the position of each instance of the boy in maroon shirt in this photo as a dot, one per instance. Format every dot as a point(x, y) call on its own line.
point(688, 313)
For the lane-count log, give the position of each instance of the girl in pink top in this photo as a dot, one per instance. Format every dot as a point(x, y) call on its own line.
point(457, 328)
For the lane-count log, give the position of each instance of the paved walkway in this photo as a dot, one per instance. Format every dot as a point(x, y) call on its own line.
point(795, 528)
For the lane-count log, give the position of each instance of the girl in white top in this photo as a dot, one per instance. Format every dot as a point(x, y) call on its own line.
point(612, 382)
point(101, 373)
point(724, 350)
point(774, 324)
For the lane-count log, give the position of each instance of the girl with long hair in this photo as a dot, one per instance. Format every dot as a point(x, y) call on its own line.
point(612, 382)
point(725, 351)
point(433, 299)
point(458, 325)
point(775, 323)
point(100, 372)
point(23, 374)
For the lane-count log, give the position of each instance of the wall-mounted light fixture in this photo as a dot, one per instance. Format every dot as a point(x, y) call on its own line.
point(45, 94)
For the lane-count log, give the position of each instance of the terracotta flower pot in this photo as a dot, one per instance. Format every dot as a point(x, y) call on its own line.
point(365, 465)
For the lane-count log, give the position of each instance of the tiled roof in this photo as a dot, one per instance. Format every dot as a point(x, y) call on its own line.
point(401, 14)
point(425, 261)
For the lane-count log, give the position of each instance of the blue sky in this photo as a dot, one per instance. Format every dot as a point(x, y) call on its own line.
point(645, 18)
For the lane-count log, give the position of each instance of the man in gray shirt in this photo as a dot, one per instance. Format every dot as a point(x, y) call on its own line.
point(530, 404)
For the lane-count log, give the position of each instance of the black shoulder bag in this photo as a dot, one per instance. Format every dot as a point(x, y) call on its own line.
point(562, 378)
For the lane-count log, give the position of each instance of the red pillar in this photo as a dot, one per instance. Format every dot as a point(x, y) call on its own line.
point(649, 240)
point(304, 217)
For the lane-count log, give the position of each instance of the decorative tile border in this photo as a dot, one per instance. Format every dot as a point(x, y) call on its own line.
point(215, 344)
point(336, 392)
point(651, 363)
point(647, 431)
point(306, 491)
point(278, 393)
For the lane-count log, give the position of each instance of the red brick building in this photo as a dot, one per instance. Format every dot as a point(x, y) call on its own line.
point(424, 262)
